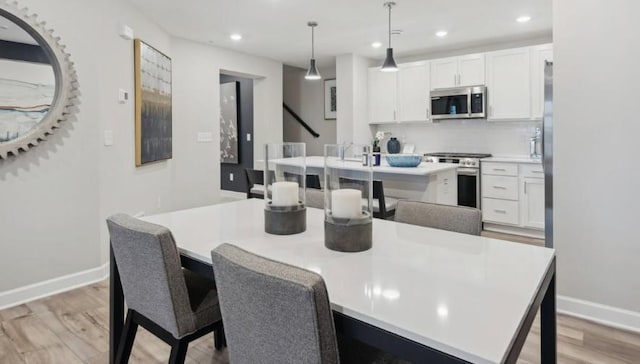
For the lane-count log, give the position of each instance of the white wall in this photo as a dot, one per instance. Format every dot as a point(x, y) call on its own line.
point(196, 70)
point(352, 83)
point(595, 149)
point(56, 196)
point(51, 217)
point(306, 98)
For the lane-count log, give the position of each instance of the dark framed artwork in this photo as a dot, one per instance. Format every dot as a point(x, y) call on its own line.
point(330, 99)
point(153, 104)
point(229, 152)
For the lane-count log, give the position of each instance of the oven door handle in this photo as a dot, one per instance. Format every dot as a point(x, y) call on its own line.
point(468, 171)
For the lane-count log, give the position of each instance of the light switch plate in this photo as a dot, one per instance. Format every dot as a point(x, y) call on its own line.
point(205, 137)
point(108, 138)
point(248, 137)
point(231, 177)
point(123, 96)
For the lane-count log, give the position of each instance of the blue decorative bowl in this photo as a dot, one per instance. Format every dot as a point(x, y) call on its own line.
point(403, 160)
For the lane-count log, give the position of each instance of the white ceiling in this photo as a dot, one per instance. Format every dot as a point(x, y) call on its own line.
point(277, 28)
point(13, 33)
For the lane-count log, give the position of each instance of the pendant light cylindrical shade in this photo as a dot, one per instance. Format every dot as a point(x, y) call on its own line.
point(312, 72)
point(389, 64)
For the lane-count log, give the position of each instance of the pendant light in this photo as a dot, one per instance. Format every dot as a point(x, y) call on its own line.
point(312, 72)
point(389, 64)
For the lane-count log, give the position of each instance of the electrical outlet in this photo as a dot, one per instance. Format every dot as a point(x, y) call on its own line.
point(231, 177)
point(248, 137)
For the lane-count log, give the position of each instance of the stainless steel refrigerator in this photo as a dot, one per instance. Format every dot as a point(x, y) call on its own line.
point(547, 153)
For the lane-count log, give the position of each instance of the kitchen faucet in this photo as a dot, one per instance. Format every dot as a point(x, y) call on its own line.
point(343, 148)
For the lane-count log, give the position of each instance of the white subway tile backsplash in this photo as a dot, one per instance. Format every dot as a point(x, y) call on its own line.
point(472, 136)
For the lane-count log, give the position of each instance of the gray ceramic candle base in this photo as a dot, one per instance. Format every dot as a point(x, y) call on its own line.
point(285, 221)
point(348, 238)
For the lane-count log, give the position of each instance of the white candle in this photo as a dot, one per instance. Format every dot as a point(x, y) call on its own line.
point(284, 194)
point(346, 203)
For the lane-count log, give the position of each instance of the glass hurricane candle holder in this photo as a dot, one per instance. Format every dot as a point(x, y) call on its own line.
point(348, 176)
point(285, 178)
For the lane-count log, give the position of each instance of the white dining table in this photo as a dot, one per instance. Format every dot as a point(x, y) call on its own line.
point(423, 294)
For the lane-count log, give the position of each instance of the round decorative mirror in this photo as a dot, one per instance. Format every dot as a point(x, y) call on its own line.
point(38, 84)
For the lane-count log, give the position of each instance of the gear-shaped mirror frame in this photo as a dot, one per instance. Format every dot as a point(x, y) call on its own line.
point(66, 88)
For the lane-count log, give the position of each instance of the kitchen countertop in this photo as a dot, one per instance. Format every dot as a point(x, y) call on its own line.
point(422, 169)
point(512, 159)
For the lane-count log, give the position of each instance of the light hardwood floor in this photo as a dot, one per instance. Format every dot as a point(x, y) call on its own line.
point(72, 327)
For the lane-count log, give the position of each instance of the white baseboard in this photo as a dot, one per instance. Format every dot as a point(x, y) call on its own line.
point(50, 287)
point(602, 314)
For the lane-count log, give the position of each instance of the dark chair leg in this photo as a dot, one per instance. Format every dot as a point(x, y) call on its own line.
point(126, 341)
point(218, 338)
point(178, 352)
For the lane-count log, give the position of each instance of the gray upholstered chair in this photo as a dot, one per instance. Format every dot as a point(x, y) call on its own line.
point(273, 312)
point(174, 304)
point(460, 219)
point(255, 183)
point(276, 313)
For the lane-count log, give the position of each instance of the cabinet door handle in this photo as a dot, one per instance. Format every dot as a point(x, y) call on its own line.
point(459, 79)
point(455, 80)
point(394, 115)
point(499, 169)
point(525, 188)
point(500, 211)
point(427, 113)
point(500, 187)
point(537, 171)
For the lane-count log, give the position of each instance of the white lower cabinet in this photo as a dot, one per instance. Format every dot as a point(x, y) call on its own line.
point(532, 203)
point(513, 198)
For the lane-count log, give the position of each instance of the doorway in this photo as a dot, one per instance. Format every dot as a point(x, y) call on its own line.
point(232, 175)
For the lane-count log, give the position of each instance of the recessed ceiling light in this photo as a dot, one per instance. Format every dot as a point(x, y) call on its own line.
point(441, 33)
point(376, 44)
point(523, 19)
point(235, 36)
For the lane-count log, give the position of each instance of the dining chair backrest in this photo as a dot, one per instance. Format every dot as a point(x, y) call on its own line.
point(152, 280)
point(254, 177)
point(460, 219)
point(272, 312)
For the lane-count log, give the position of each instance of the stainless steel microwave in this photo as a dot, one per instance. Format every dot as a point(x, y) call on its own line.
point(459, 103)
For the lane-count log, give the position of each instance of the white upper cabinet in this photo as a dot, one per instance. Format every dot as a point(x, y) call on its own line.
point(383, 88)
point(444, 73)
point(413, 92)
point(509, 84)
point(471, 70)
point(468, 70)
point(539, 56)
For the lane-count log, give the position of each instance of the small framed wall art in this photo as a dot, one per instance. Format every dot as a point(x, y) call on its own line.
point(330, 99)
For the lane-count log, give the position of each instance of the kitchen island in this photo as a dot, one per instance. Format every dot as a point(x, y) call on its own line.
point(430, 182)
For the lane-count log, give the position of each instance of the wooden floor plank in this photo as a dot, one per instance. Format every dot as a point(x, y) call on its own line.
point(8, 352)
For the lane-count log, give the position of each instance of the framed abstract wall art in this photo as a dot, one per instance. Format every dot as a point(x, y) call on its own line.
point(152, 104)
point(229, 123)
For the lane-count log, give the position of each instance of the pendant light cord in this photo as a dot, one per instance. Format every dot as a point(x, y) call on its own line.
point(312, 43)
point(389, 25)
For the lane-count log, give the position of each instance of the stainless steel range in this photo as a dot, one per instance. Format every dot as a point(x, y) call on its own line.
point(468, 174)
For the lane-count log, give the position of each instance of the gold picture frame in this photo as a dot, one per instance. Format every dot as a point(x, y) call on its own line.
point(153, 104)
